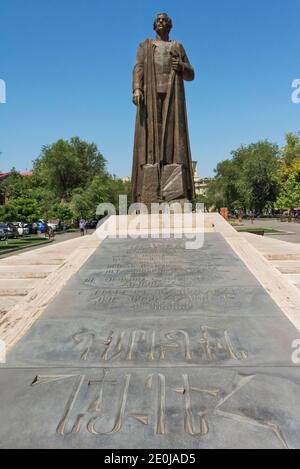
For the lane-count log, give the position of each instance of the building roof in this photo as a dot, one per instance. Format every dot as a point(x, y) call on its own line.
point(5, 175)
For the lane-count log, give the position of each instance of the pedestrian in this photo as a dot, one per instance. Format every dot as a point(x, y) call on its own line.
point(49, 232)
point(82, 227)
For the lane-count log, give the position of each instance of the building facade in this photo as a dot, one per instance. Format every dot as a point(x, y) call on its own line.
point(201, 184)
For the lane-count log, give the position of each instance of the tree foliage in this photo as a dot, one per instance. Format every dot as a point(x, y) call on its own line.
point(62, 211)
point(24, 210)
point(291, 150)
point(69, 181)
point(248, 180)
point(67, 165)
point(289, 182)
point(102, 190)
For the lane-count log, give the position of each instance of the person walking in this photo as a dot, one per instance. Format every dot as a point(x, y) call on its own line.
point(82, 227)
point(49, 232)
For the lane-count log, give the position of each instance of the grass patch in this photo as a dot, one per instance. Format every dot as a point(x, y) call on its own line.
point(14, 244)
point(258, 230)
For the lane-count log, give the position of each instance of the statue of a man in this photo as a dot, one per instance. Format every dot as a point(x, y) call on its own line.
point(162, 164)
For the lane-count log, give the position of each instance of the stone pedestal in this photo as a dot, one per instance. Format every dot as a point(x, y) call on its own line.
point(153, 345)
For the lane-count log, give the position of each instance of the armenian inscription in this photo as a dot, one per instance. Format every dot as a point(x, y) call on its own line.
point(206, 345)
point(89, 405)
point(167, 299)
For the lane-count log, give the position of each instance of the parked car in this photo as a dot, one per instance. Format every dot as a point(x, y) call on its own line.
point(276, 213)
point(13, 230)
point(32, 228)
point(10, 230)
point(21, 227)
point(3, 236)
point(42, 226)
point(55, 224)
point(91, 224)
point(65, 226)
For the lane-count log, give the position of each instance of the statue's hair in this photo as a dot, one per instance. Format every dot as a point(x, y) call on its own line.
point(170, 23)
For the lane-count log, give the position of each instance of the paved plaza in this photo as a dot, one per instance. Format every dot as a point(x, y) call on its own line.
point(291, 230)
point(151, 345)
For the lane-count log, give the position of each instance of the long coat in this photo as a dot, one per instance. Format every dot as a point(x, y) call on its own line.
point(175, 147)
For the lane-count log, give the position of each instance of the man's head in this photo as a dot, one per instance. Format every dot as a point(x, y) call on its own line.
point(162, 22)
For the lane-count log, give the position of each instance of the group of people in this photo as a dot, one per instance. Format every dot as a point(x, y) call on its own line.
point(49, 232)
point(239, 215)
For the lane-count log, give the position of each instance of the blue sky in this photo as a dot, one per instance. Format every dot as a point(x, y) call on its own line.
point(68, 69)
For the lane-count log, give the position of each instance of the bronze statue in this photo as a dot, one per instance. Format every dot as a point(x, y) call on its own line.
point(162, 164)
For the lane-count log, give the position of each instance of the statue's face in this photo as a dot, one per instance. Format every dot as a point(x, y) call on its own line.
point(162, 23)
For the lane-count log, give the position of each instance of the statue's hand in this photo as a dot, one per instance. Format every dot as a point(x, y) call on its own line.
point(138, 97)
point(177, 65)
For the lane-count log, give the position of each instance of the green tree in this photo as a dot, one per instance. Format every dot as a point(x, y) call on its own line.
point(257, 183)
point(66, 165)
point(91, 160)
point(25, 210)
point(103, 189)
point(16, 186)
point(291, 150)
point(223, 190)
point(289, 180)
point(69, 180)
point(248, 180)
point(61, 211)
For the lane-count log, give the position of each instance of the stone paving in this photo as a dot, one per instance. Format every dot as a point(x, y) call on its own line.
point(30, 280)
point(282, 255)
point(293, 229)
point(151, 345)
point(22, 272)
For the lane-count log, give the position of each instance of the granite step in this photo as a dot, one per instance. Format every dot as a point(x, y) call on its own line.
point(23, 275)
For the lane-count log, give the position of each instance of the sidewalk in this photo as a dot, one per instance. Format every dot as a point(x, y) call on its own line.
point(284, 256)
point(293, 228)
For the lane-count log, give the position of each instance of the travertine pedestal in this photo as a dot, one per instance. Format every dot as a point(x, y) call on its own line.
point(152, 345)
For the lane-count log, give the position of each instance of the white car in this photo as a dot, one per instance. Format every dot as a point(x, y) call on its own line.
point(22, 230)
point(54, 224)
